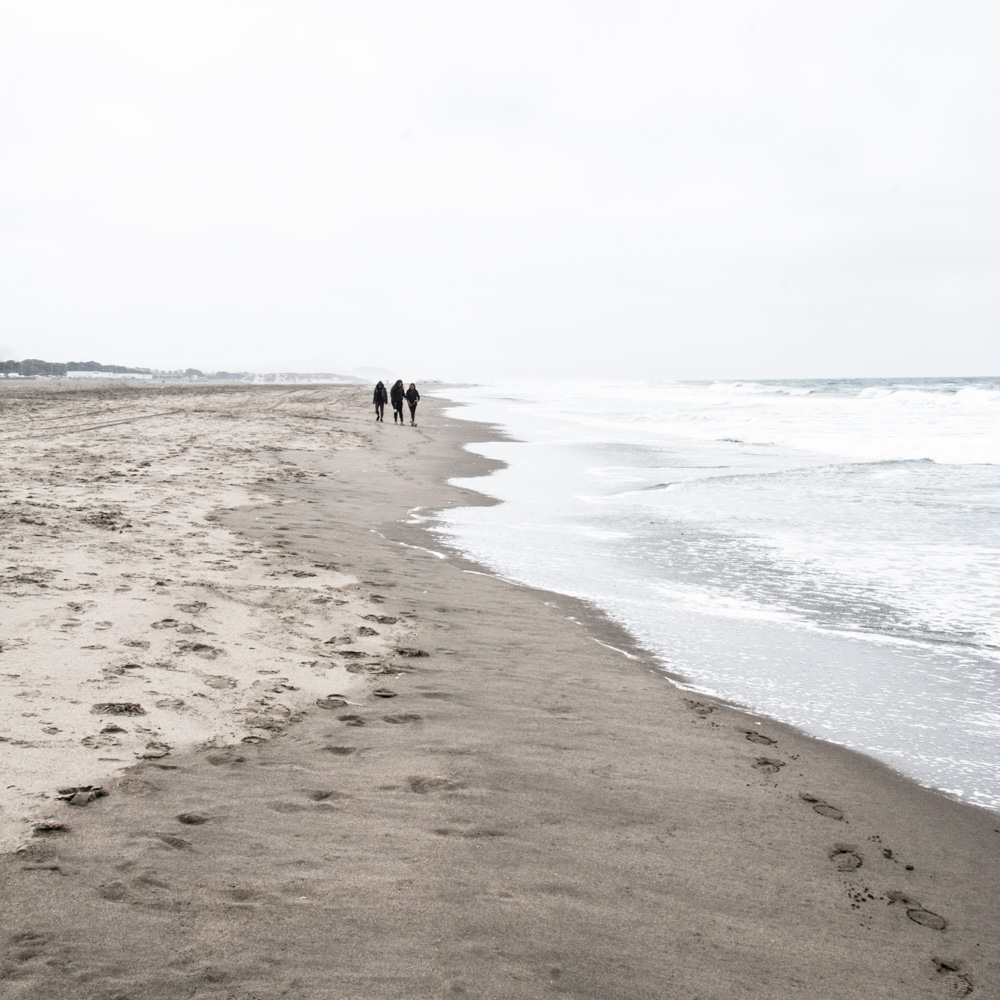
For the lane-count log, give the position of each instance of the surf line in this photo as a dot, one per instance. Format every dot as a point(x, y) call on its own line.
point(627, 655)
point(494, 576)
point(420, 548)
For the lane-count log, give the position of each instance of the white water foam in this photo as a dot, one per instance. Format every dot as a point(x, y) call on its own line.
point(823, 552)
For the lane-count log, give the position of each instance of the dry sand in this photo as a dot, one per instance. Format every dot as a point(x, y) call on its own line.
point(494, 804)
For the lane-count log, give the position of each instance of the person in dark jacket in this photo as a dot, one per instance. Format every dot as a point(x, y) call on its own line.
point(396, 395)
point(380, 398)
point(412, 398)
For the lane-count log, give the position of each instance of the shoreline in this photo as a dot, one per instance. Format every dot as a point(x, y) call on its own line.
point(885, 695)
point(526, 812)
point(632, 646)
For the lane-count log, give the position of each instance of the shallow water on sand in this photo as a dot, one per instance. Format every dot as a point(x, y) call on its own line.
point(826, 553)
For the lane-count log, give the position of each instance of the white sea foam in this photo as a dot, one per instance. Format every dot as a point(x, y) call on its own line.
point(775, 525)
point(944, 421)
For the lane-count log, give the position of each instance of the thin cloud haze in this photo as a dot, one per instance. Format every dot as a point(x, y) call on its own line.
point(489, 191)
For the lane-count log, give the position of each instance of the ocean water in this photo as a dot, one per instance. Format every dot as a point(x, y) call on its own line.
point(823, 552)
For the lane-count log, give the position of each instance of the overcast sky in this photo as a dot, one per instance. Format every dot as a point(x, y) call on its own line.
point(472, 189)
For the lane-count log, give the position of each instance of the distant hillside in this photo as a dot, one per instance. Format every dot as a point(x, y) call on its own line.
point(34, 366)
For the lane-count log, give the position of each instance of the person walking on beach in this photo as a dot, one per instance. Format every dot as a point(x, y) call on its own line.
point(413, 397)
point(396, 395)
point(380, 398)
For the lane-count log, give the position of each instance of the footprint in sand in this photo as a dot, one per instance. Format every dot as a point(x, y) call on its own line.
point(148, 880)
point(113, 892)
point(119, 671)
point(821, 807)
point(25, 946)
point(768, 765)
point(331, 701)
point(240, 895)
point(39, 857)
point(422, 785)
point(352, 720)
point(174, 842)
point(956, 982)
point(825, 809)
point(472, 833)
point(916, 913)
point(201, 649)
point(927, 919)
point(117, 708)
point(218, 681)
point(136, 786)
point(100, 742)
point(755, 737)
point(402, 718)
point(699, 707)
point(388, 668)
point(49, 827)
point(845, 859)
point(173, 704)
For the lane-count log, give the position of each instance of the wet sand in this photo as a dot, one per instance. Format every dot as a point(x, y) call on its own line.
point(363, 768)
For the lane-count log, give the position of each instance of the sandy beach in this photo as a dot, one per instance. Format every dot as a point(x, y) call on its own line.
point(263, 737)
